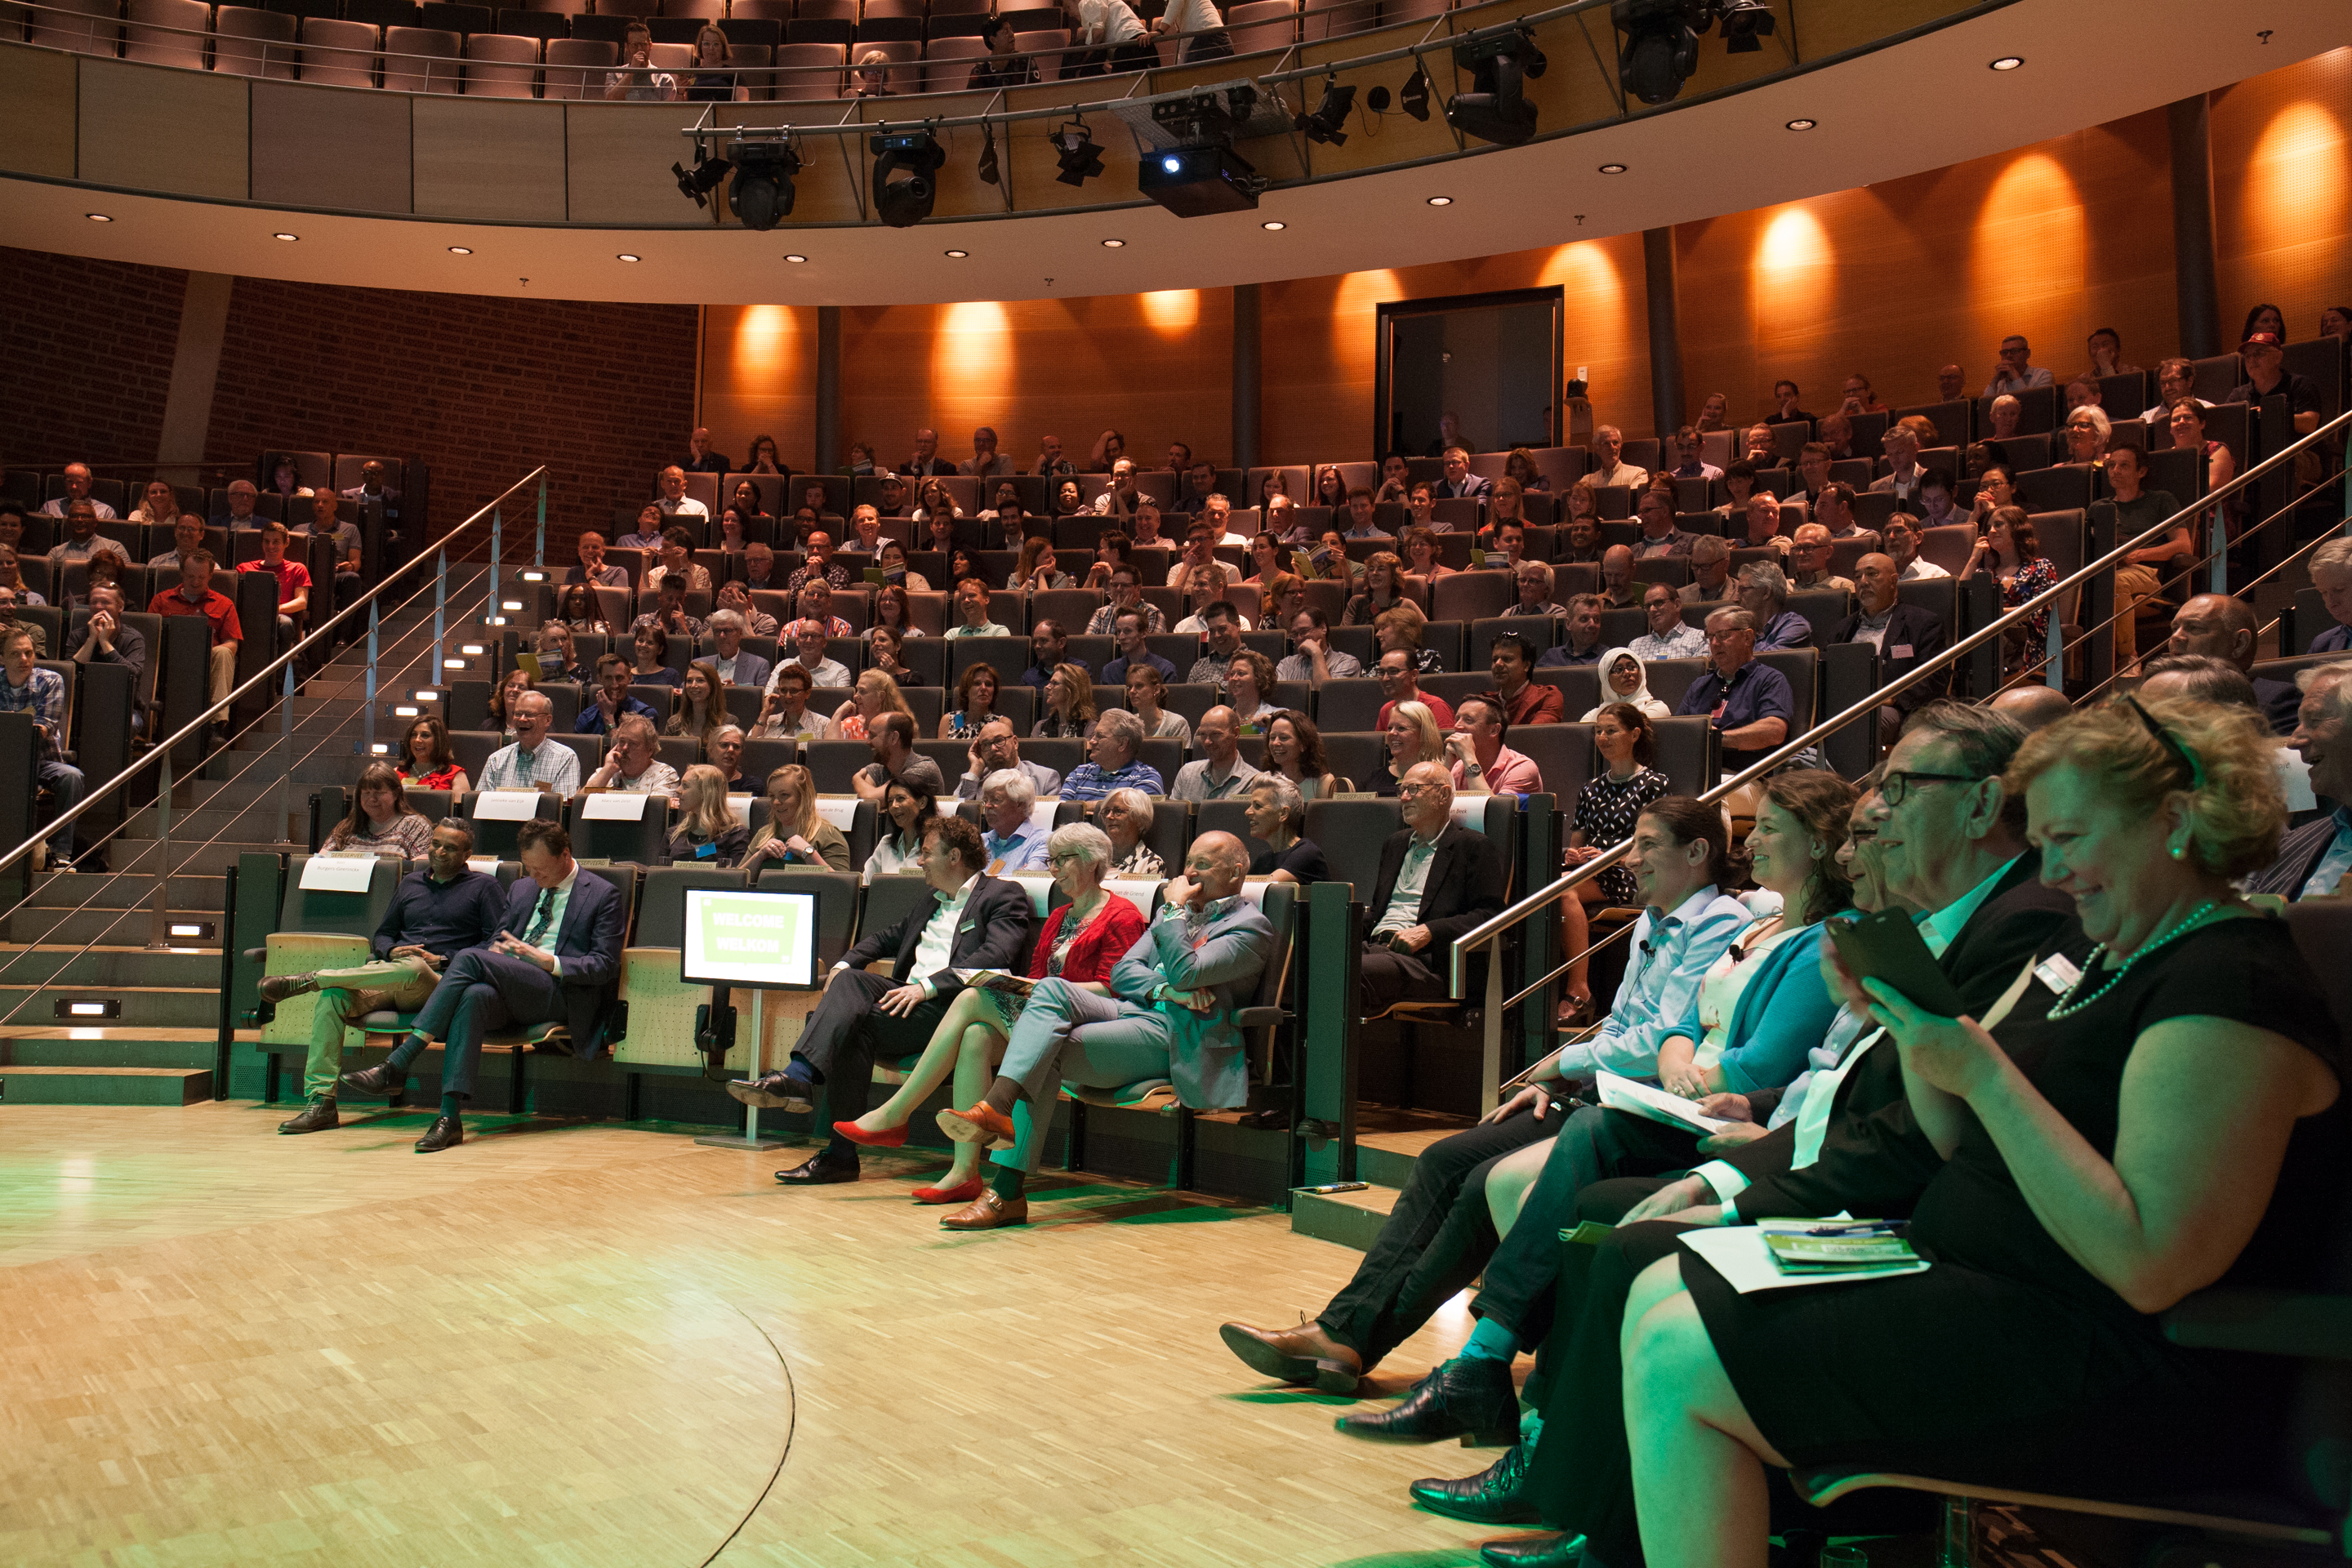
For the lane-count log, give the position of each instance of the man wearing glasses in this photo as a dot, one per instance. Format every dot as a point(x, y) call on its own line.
point(1400, 682)
point(1436, 881)
point(1748, 704)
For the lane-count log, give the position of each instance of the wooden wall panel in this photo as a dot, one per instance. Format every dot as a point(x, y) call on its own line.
point(488, 158)
point(2280, 203)
point(158, 128)
point(41, 143)
point(331, 147)
point(759, 378)
point(611, 149)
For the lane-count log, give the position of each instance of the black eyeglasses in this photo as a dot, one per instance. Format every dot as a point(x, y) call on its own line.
point(1898, 781)
point(2179, 752)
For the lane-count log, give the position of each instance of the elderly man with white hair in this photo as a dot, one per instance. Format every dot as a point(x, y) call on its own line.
point(1012, 842)
point(2316, 860)
point(1113, 761)
point(736, 667)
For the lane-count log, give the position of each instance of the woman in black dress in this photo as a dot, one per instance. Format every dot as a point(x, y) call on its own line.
point(2159, 1130)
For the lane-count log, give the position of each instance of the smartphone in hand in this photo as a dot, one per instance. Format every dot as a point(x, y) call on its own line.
point(1886, 946)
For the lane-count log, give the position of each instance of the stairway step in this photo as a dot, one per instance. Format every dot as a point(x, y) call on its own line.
point(62, 1047)
point(94, 969)
point(34, 923)
point(124, 890)
point(142, 1007)
point(139, 855)
point(1351, 1219)
point(255, 824)
point(106, 1086)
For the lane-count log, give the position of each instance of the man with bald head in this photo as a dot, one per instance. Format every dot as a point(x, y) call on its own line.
point(2221, 626)
point(1172, 1015)
point(1617, 578)
point(1906, 636)
point(1436, 881)
point(2032, 706)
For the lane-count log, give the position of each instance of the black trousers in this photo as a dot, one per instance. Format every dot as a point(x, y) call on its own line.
point(1596, 1144)
point(846, 1033)
point(1437, 1239)
point(1386, 977)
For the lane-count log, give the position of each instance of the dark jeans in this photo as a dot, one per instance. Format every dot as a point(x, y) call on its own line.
point(481, 991)
point(1437, 1239)
point(1595, 1144)
point(846, 1033)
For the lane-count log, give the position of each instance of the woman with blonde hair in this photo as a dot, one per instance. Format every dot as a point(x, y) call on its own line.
point(1412, 738)
point(1080, 942)
point(708, 834)
point(873, 695)
point(1383, 586)
point(871, 78)
point(1069, 703)
point(795, 833)
point(1402, 625)
point(1126, 814)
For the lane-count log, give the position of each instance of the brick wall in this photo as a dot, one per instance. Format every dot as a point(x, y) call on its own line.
point(482, 389)
point(85, 357)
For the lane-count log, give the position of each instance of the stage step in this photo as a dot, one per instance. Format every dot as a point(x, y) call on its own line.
point(1351, 1219)
point(115, 927)
point(175, 1007)
point(105, 1086)
point(64, 1046)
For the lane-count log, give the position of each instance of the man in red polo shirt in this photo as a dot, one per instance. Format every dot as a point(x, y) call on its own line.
point(195, 596)
point(1511, 660)
point(293, 578)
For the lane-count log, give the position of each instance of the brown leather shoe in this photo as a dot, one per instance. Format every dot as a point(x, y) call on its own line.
point(987, 1211)
point(278, 987)
point(315, 1117)
point(984, 1124)
point(1305, 1354)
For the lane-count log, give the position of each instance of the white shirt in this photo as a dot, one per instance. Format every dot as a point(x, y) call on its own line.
point(1412, 878)
point(1191, 17)
point(685, 506)
point(1622, 473)
point(937, 945)
point(1920, 570)
point(553, 764)
point(1108, 22)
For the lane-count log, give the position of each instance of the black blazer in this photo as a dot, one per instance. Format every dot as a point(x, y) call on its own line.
point(1874, 1159)
point(1473, 485)
point(1464, 888)
point(2299, 853)
point(1909, 626)
point(995, 934)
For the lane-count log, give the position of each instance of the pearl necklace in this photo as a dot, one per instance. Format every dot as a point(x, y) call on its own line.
point(2067, 1006)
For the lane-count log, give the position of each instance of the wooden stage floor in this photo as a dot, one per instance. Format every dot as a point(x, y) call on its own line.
point(571, 1346)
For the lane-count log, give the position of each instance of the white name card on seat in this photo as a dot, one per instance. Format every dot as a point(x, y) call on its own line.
point(1041, 812)
point(738, 806)
point(338, 873)
point(1470, 811)
point(841, 810)
point(488, 865)
point(616, 805)
point(505, 805)
point(1140, 891)
point(1040, 888)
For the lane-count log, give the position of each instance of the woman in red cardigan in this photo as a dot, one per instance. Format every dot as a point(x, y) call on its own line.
point(1080, 943)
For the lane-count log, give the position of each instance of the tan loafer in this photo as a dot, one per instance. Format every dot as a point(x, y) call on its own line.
point(988, 1212)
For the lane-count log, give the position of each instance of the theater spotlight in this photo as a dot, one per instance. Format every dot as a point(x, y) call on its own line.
point(1328, 124)
point(1076, 151)
point(1743, 22)
point(1659, 47)
point(905, 163)
point(1414, 97)
point(696, 186)
point(761, 195)
point(1495, 109)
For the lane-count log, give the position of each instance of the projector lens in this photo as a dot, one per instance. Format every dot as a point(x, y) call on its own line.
point(1171, 165)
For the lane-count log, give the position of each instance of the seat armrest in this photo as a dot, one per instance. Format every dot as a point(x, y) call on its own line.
point(2270, 1322)
point(1261, 1017)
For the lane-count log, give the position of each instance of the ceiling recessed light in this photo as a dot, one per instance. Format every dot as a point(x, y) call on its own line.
point(460, 250)
point(1802, 124)
point(289, 238)
point(1441, 201)
point(98, 217)
point(1612, 168)
point(1271, 226)
point(2008, 62)
point(625, 256)
point(1114, 244)
point(958, 255)
point(797, 260)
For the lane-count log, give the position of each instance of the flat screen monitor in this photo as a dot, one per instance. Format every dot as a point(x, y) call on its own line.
point(735, 937)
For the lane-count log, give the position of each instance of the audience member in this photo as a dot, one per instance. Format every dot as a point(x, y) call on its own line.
point(1315, 660)
point(293, 579)
point(871, 695)
point(673, 500)
point(633, 763)
point(77, 482)
point(2222, 626)
point(2315, 861)
point(736, 666)
point(1764, 594)
point(795, 833)
point(637, 81)
point(1617, 578)
point(196, 596)
point(82, 539)
point(424, 760)
point(1901, 540)
point(1113, 761)
point(1809, 558)
point(1527, 700)
point(1276, 815)
point(1013, 840)
point(1220, 628)
point(2263, 358)
point(1411, 737)
point(1609, 467)
point(2015, 374)
point(1904, 636)
point(892, 737)
point(1459, 483)
point(1480, 763)
point(784, 707)
point(1669, 636)
point(972, 602)
point(25, 688)
point(1748, 702)
point(1399, 679)
point(1219, 773)
point(2331, 574)
point(593, 569)
point(1788, 404)
point(534, 762)
point(105, 637)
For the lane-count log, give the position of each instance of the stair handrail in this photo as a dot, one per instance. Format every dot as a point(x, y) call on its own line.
point(159, 754)
point(1493, 930)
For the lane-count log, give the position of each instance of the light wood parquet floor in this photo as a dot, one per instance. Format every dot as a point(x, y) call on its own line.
point(580, 1346)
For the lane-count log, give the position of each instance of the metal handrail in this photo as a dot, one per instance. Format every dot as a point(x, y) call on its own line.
point(159, 754)
point(1493, 928)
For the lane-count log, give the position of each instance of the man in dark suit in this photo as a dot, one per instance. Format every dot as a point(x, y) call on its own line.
point(2221, 626)
point(1906, 636)
point(1955, 847)
point(1436, 881)
point(2316, 858)
point(972, 922)
point(1459, 480)
point(556, 960)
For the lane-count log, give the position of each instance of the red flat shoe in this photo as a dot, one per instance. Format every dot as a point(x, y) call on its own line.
point(892, 1139)
point(961, 1192)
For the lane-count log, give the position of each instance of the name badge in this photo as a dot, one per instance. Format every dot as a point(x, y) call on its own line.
point(2059, 972)
point(1900, 650)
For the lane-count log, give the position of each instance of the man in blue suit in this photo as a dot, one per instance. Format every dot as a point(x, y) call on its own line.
point(555, 960)
point(1172, 1015)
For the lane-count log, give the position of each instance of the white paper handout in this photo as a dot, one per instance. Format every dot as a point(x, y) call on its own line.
point(1645, 1099)
point(1740, 1254)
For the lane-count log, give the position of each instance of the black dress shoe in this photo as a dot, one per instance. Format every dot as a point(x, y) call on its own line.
point(774, 1092)
point(1565, 1550)
point(1496, 1495)
point(446, 1132)
point(1468, 1397)
point(315, 1117)
point(381, 1078)
point(820, 1169)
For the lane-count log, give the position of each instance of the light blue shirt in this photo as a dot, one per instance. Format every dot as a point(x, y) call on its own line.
point(553, 764)
point(1671, 956)
point(2334, 865)
point(562, 891)
point(1021, 850)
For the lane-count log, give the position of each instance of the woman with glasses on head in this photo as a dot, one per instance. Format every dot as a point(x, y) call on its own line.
point(426, 761)
point(975, 704)
point(1069, 704)
point(1080, 942)
point(905, 808)
point(795, 833)
point(1126, 814)
point(708, 834)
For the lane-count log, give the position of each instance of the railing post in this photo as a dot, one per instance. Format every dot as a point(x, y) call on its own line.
point(286, 758)
point(159, 921)
point(1490, 1070)
point(538, 544)
point(2218, 536)
point(440, 596)
point(491, 594)
point(367, 731)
